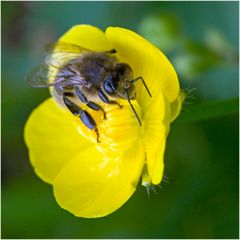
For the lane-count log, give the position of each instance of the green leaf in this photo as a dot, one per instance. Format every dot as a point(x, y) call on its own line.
point(209, 110)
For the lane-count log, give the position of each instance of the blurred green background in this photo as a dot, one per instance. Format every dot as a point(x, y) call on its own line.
point(200, 197)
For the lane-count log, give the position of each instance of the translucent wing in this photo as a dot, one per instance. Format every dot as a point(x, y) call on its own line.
point(70, 48)
point(38, 77)
point(54, 71)
point(65, 47)
point(59, 55)
point(60, 59)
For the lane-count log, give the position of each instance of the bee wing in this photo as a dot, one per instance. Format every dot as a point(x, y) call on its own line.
point(39, 77)
point(59, 59)
point(44, 75)
point(60, 54)
point(65, 47)
point(71, 48)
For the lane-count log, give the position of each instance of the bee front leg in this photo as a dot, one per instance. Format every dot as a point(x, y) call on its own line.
point(85, 117)
point(90, 104)
point(105, 99)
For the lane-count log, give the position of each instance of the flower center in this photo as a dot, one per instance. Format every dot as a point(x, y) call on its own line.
point(117, 132)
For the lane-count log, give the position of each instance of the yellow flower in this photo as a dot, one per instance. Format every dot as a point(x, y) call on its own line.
point(93, 179)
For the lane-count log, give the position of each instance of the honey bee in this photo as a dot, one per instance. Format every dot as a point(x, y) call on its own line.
point(87, 77)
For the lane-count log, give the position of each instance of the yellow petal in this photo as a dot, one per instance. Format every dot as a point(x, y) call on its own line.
point(52, 138)
point(146, 180)
point(88, 37)
point(176, 106)
point(156, 128)
point(93, 185)
point(146, 61)
point(120, 130)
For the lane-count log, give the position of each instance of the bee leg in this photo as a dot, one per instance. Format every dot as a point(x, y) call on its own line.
point(105, 99)
point(68, 94)
point(97, 133)
point(115, 102)
point(72, 107)
point(90, 104)
point(85, 117)
point(96, 107)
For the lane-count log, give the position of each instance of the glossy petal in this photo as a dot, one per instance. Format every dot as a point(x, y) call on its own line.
point(156, 128)
point(52, 138)
point(93, 179)
point(93, 185)
point(146, 61)
point(88, 37)
point(121, 129)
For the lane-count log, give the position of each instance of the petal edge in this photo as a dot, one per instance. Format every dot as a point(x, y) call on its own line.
point(47, 133)
point(96, 186)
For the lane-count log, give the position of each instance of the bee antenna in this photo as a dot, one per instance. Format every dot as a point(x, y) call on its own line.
point(134, 111)
point(145, 85)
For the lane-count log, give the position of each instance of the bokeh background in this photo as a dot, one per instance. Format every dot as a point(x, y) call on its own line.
point(200, 197)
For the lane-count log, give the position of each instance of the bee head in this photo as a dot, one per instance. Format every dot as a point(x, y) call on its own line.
point(119, 82)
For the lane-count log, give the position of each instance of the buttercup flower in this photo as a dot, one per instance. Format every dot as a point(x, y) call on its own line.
point(93, 179)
